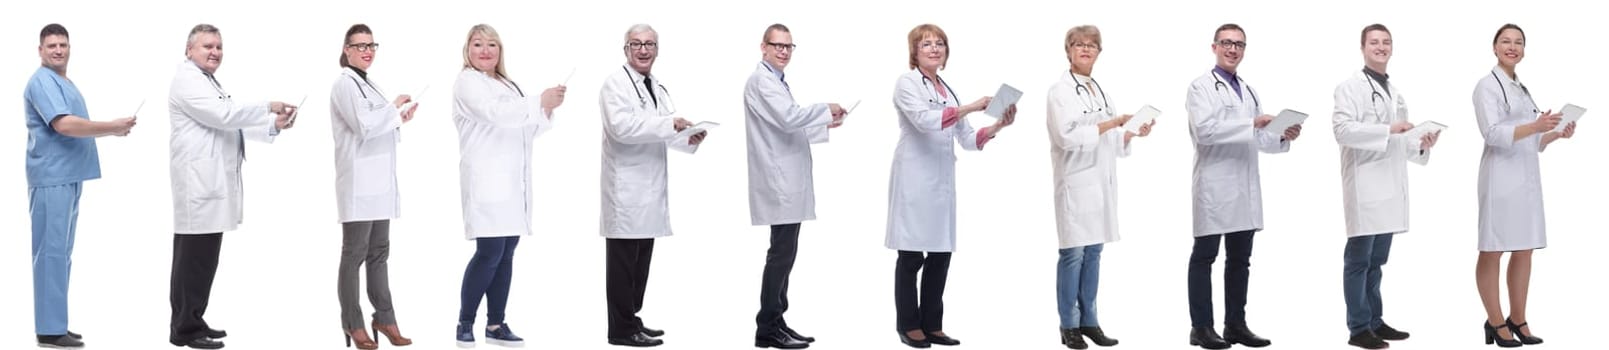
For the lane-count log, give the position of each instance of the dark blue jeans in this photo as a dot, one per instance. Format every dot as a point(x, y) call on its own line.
point(488, 275)
point(1360, 276)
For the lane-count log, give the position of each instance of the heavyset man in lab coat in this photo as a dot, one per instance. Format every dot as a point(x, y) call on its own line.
point(1226, 123)
point(206, 150)
point(782, 190)
point(638, 125)
point(1371, 119)
point(61, 157)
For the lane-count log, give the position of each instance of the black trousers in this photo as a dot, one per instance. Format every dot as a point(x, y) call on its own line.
point(774, 283)
point(195, 263)
point(627, 281)
point(929, 314)
point(1237, 274)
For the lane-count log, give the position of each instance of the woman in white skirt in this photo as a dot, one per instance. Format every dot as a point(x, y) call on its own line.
point(1511, 221)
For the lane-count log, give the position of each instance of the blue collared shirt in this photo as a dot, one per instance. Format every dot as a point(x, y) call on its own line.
point(53, 158)
point(1234, 81)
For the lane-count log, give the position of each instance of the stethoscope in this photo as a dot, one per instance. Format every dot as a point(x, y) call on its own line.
point(664, 94)
point(932, 96)
point(1090, 99)
point(1218, 84)
point(216, 87)
point(1523, 89)
point(1375, 97)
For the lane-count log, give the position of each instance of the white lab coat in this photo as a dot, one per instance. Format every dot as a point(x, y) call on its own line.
point(1226, 188)
point(1374, 162)
point(206, 149)
point(497, 122)
point(921, 186)
point(634, 202)
point(365, 126)
point(1084, 162)
point(782, 187)
point(1510, 181)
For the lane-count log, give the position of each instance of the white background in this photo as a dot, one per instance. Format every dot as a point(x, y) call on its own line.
point(276, 283)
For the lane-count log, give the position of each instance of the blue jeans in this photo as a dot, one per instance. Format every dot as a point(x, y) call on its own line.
point(54, 211)
point(1078, 276)
point(489, 274)
point(1360, 277)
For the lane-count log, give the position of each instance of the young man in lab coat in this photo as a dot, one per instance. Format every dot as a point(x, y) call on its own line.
point(639, 125)
point(1371, 122)
point(206, 150)
point(61, 157)
point(781, 187)
point(1226, 123)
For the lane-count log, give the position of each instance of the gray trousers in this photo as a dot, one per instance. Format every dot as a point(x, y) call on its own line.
point(365, 242)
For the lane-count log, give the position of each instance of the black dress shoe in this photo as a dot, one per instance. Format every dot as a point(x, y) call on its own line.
point(1518, 334)
point(652, 332)
point(216, 333)
point(942, 340)
point(1207, 338)
point(75, 335)
point(1239, 334)
point(919, 344)
point(795, 334)
point(1096, 335)
point(1073, 339)
point(1367, 340)
point(204, 343)
point(65, 341)
point(780, 340)
point(636, 339)
point(1385, 332)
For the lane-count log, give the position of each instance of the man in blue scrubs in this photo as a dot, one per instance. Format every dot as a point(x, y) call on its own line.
point(61, 156)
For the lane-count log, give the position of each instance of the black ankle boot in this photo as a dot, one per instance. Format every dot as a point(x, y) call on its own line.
point(1073, 339)
point(1097, 336)
point(1239, 334)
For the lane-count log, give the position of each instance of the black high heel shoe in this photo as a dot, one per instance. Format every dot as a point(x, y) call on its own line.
point(1515, 330)
point(1492, 337)
point(1073, 338)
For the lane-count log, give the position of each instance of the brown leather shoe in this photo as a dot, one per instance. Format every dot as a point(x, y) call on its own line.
point(360, 338)
point(391, 334)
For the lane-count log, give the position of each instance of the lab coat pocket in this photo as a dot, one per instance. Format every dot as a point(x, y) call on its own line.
point(374, 176)
point(490, 187)
point(1222, 191)
point(789, 180)
point(1375, 182)
point(207, 180)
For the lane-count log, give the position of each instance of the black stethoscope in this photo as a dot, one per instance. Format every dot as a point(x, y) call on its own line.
point(1219, 85)
point(933, 98)
point(216, 87)
point(372, 87)
point(642, 100)
point(1523, 89)
point(1375, 97)
point(1089, 100)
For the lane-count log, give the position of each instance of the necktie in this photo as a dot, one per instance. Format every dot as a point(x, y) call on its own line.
point(648, 82)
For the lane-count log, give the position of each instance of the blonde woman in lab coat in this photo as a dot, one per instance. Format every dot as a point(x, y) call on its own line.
point(1510, 186)
point(921, 190)
point(207, 151)
point(497, 122)
point(1370, 121)
point(1087, 138)
point(366, 127)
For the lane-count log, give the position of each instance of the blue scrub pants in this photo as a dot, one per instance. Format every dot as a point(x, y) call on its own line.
point(54, 210)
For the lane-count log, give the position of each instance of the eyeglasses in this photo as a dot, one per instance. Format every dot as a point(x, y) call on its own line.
point(783, 46)
point(933, 46)
point(1087, 45)
point(1226, 43)
point(364, 47)
point(639, 45)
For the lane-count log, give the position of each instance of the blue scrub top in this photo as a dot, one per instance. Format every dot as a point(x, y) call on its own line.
point(53, 158)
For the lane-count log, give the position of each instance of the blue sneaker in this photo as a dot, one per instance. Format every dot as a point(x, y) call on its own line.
point(502, 336)
point(466, 336)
